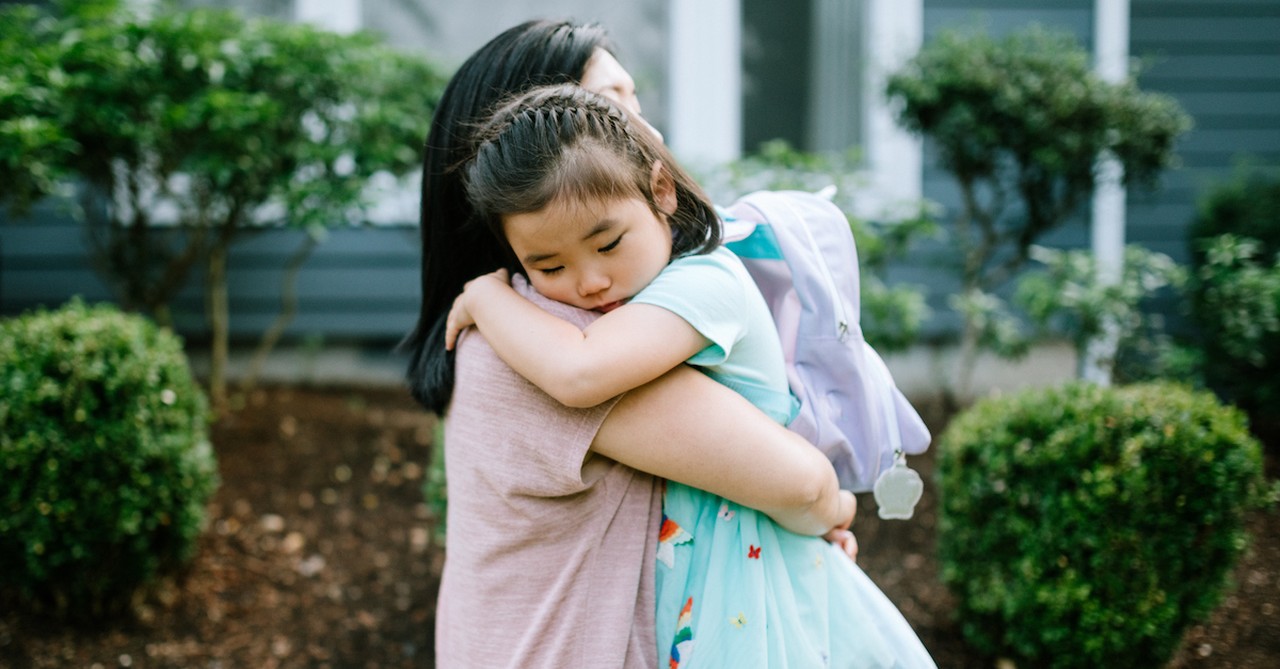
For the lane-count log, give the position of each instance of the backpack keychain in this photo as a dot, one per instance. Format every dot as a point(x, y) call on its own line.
point(897, 489)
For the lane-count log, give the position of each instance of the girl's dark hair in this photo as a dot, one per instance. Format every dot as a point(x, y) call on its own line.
point(456, 247)
point(566, 143)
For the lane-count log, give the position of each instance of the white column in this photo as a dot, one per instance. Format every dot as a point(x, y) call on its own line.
point(705, 112)
point(894, 31)
point(1111, 53)
point(340, 16)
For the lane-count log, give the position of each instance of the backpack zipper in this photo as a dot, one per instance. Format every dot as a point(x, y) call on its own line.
point(837, 305)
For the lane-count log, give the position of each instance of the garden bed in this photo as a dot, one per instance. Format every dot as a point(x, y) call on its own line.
point(319, 553)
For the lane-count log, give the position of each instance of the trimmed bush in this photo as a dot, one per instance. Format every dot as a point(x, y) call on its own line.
point(1084, 526)
point(104, 455)
point(1020, 122)
point(1235, 299)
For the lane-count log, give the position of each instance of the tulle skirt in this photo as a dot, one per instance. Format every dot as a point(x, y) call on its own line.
point(735, 590)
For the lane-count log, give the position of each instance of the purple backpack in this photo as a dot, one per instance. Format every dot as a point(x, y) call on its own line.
point(799, 249)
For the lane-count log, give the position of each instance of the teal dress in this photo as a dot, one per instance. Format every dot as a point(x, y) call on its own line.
point(734, 589)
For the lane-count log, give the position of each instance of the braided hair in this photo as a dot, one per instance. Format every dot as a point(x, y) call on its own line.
point(564, 142)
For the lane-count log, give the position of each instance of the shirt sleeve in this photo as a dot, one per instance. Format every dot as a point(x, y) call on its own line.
point(707, 291)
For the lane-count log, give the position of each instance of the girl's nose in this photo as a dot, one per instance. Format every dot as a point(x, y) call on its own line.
point(593, 283)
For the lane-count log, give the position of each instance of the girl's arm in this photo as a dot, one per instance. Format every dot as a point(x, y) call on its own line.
point(688, 428)
point(621, 350)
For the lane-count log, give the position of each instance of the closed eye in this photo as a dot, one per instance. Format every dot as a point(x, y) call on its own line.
point(551, 271)
point(611, 245)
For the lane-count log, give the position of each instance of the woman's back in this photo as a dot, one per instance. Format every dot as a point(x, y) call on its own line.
point(551, 551)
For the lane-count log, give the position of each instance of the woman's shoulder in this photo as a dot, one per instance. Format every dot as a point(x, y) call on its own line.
point(579, 317)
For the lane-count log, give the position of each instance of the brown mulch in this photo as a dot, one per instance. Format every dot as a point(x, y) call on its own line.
point(319, 554)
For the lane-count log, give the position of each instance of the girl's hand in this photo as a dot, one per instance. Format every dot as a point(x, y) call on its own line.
point(840, 534)
point(460, 317)
point(845, 541)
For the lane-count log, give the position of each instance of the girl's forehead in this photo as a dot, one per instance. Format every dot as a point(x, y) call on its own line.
point(562, 222)
point(568, 213)
point(578, 209)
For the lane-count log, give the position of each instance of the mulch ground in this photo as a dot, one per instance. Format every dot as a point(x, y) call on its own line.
point(319, 553)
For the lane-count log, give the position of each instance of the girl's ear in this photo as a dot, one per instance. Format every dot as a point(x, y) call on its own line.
point(663, 187)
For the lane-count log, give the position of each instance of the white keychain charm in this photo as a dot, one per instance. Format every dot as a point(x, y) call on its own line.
point(898, 489)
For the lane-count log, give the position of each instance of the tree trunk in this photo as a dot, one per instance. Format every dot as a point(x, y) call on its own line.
point(218, 312)
point(966, 360)
point(288, 308)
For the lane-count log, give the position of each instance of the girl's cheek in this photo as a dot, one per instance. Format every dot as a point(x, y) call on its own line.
point(544, 285)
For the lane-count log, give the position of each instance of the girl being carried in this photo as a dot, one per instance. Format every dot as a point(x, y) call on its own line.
point(598, 215)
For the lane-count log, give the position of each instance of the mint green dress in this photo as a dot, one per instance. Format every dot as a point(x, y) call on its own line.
point(734, 589)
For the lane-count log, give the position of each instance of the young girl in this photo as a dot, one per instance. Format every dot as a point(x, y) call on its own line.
point(599, 216)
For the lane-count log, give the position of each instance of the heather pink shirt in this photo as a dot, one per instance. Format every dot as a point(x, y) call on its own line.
point(550, 552)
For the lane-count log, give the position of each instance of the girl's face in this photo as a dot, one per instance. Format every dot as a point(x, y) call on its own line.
point(593, 255)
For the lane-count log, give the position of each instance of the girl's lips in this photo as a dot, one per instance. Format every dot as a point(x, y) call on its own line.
point(606, 308)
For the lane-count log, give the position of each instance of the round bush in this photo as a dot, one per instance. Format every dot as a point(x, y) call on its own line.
point(1086, 527)
point(104, 454)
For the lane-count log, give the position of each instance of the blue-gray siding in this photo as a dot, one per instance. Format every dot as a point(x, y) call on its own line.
point(360, 283)
point(1219, 58)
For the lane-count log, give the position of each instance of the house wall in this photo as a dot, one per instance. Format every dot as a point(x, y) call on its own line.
point(358, 284)
point(1219, 58)
point(450, 31)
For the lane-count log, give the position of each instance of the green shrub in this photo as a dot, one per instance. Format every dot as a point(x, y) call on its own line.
point(1248, 206)
point(104, 455)
point(1084, 526)
point(1235, 301)
point(435, 488)
point(1069, 297)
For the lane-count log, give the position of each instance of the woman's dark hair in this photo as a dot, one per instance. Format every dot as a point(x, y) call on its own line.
point(566, 143)
point(456, 246)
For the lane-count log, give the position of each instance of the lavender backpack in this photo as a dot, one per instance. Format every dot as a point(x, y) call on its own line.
point(799, 249)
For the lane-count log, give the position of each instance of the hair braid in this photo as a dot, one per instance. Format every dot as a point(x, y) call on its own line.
point(563, 141)
point(568, 109)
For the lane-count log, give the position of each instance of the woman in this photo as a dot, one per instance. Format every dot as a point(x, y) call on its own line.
point(554, 512)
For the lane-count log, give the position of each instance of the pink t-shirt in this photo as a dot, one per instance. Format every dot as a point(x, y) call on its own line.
point(550, 553)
